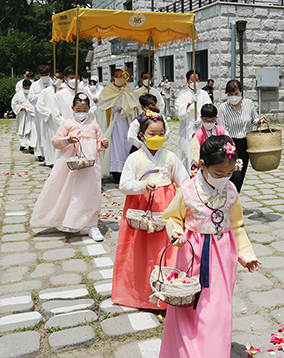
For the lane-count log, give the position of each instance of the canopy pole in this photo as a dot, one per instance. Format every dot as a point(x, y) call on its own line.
point(194, 70)
point(77, 51)
point(54, 62)
point(149, 64)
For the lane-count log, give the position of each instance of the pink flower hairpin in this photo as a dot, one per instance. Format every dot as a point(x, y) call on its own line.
point(230, 149)
point(152, 115)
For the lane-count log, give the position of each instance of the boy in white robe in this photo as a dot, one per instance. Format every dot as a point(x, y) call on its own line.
point(117, 106)
point(25, 113)
point(48, 127)
point(144, 89)
point(19, 84)
point(186, 113)
point(93, 91)
point(61, 107)
point(34, 92)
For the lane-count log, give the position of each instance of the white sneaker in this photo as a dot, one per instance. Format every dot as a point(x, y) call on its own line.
point(95, 234)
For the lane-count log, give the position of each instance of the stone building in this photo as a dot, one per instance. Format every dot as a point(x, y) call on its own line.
point(263, 47)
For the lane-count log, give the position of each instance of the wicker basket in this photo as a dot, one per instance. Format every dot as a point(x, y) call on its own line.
point(264, 148)
point(80, 162)
point(179, 295)
point(146, 220)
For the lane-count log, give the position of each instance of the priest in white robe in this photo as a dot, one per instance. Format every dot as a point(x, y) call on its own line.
point(186, 113)
point(19, 84)
point(93, 91)
point(48, 126)
point(146, 82)
point(35, 90)
point(117, 106)
point(25, 113)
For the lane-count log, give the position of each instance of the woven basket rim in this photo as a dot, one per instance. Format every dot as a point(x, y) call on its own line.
point(264, 151)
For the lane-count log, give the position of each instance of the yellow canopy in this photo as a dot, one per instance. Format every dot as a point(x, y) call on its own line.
point(136, 26)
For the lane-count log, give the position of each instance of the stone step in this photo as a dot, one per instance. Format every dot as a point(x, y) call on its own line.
point(22, 344)
point(130, 323)
point(72, 319)
point(103, 288)
point(56, 307)
point(102, 261)
point(141, 349)
point(15, 237)
point(101, 274)
point(112, 308)
point(18, 302)
point(70, 338)
point(96, 249)
point(19, 321)
point(68, 292)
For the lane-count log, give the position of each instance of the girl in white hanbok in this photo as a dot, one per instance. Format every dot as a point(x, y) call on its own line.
point(71, 200)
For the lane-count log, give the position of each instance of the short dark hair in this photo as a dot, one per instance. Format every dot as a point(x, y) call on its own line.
point(27, 83)
point(30, 75)
point(191, 72)
point(208, 110)
point(69, 70)
point(84, 98)
point(43, 69)
point(93, 82)
point(233, 85)
point(85, 74)
point(115, 70)
point(143, 73)
point(212, 151)
point(146, 98)
point(210, 80)
point(25, 71)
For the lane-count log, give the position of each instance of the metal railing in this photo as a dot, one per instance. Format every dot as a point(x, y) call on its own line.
point(185, 6)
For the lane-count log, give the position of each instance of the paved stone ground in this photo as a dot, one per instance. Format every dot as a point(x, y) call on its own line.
point(54, 288)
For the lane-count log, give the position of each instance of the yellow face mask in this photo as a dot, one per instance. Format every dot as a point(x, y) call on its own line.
point(154, 143)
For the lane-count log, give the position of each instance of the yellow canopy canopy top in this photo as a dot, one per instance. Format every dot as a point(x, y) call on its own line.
point(135, 26)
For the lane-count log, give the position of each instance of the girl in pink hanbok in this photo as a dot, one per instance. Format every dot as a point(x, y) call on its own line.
point(71, 199)
point(151, 168)
point(207, 211)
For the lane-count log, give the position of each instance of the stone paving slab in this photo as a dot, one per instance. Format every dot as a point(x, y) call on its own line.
point(103, 288)
point(13, 228)
point(59, 254)
point(15, 237)
point(63, 293)
point(16, 345)
point(42, 270)
point(14, 274)
point(140, 349)
point(75, 265)
point(70, 338)
point(22, 286)
point(19, 321)
point(49, 245)
point(96, 249)
point(72, 319)
point(102, 261)
point(15, 247)
point(15, 220)
point(112, 308)
point(246, 322)
point(17, 302)
point(130, 323)
point(262, 250)
point(66, 279)
point(272, 262)
point(270, 298)
point(17, 259)
point(56, 307)
point(15, 213)
point(254, 281)
point(101, 274)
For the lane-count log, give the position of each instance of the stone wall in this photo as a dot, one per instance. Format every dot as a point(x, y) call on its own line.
point(263, 47)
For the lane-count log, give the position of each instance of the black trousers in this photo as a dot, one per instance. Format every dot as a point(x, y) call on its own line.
point(238, 177)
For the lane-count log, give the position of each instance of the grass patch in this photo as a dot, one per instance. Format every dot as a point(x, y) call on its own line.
point(80, 255)
point(174, 119)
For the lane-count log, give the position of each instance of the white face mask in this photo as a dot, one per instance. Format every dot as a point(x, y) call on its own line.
point(218, 183)
point(55, 82)
point(72, 83)
point(234, 99)
point(85, 80)
point(81, 115)
point(26, 91)
point(45, 79)
point(191, 85)
point(208, 126)
point(146, 82)
point(119, 81)
point(93, 88)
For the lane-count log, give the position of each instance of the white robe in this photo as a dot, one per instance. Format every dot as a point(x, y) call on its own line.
point(156, 93)
point(61, 107)
point(33, 96)
point(48, 127)
point(25, 119)
point(122, 106)
point(19, 86)
point(188, 125)
point(94, 105)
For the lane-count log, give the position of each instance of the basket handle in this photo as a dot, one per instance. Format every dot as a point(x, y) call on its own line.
point(268, 126)
point(81, 149)
point(160, 274)
point(148, 209)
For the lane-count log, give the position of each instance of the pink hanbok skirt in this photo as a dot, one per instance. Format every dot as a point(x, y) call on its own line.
point(205, 332)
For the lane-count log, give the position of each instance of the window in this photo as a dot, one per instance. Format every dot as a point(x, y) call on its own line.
point(111, 69)
point(127, 5)
point(201, 63)
point(167, 67)
point(129, 68)
point(100, 73)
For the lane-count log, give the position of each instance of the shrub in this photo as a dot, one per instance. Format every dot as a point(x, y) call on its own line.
point(7, 91)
